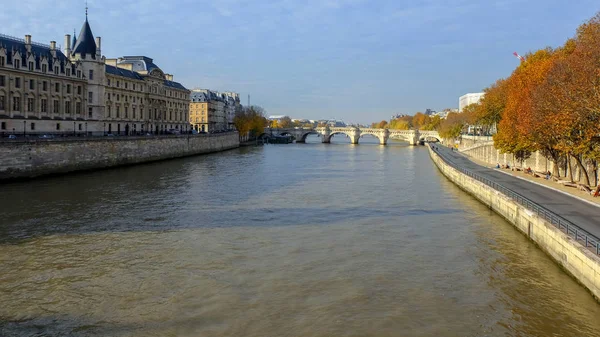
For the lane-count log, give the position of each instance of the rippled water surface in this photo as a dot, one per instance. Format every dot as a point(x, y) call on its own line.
point(281, 240)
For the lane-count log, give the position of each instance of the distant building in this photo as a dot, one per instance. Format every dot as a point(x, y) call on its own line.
point(277, 117)
point(207, 111)
point(396, 116)
point(469, 99)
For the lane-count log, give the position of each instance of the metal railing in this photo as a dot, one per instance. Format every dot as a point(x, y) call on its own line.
point(559, 222)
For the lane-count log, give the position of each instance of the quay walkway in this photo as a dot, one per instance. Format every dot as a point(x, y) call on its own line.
point(579, 213)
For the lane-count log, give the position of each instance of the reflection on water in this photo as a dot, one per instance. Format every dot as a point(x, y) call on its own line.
point(284, 240)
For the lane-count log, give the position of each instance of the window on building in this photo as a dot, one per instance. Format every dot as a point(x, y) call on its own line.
point(108, 111)
point(56, 106)
point(78, 73)
point(170, 115)
point(32, 126)
point(91, 77)
point(57, 126)
point(126, 112)
point(90, 112)
point(30, 104)
point(78, 90)
point(2, 102)
point(118, 111)
point(57, 87)
point(3, 126)
point(133, 112)
point(118, 97)
point(44, 68)
point(16, 104)
point(45, 85)
point(117, 84)
point(125, 85)
point(68, 88)
point(133, 85)
point(80, 127)
point(17, 64)
point(67, 107)
point(2, 80)
point(78, 108)
point(56, 70)
point(2, 61)
point(17, 82)
point(30, 66)
point(31, 84)
point(44, 105)
point(90, 97)
point(68, 71)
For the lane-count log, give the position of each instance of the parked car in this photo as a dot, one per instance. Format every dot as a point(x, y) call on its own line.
point(12, 137)
point(173, 132)
point(109, 135)
point(46, 136)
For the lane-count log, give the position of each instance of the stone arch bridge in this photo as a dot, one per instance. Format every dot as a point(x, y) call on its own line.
point(413, 137)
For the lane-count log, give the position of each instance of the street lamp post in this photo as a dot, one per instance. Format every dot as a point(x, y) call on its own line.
point(104, 130)
point(73, 129)
point(86, 133)
point(24, 130)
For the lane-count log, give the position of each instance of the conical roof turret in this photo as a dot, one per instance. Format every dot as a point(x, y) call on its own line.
point(85, 43)
point(74, 40)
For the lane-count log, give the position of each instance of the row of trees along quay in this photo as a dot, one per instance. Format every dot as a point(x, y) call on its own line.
point(250, 121)
point(419, 121)
point(550, 103)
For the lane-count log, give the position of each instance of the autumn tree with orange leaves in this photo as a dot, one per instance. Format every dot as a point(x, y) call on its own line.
point(551, 104)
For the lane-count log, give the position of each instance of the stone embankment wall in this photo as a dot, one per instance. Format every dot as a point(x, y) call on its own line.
point(579, 261)
point(41, 157)
point(486, 152)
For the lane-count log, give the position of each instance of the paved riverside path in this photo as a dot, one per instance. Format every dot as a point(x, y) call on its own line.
point(580, 213)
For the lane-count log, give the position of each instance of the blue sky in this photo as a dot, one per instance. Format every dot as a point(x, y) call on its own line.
point(355, 60)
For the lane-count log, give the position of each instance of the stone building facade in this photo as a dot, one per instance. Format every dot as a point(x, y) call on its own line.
point(207, 111)
point(40, 89)
point(213, 111)
point(46, 91)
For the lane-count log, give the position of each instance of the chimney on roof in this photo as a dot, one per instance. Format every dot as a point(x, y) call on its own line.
point(98, 45)
point(169, 77)
point(53, 48)
point(67, 45)
point(28, 43)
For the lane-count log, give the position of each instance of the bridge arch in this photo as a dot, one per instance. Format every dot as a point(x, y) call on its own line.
point(379, 137)
point(337, 132)
point(302, 138)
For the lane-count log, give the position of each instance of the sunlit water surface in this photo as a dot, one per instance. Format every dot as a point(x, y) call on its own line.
point(281, 240)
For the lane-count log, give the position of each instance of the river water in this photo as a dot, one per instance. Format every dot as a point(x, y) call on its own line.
point(281, 240)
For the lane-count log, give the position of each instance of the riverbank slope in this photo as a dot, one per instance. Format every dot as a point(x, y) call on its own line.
point(575, 258)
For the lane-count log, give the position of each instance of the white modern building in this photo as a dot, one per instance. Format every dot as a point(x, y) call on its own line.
point(468, 99)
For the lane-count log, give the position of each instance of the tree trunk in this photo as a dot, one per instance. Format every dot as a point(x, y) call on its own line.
point(569, 168)
point(595, 167)
point(555, 168)
point(582, 169)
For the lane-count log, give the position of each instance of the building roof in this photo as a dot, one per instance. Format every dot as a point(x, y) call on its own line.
point(85, 43)
point(137, 76)
point(122, 72)
point(175, 85)
point(13, 45)
point(74, 40)
point(140, 63)
point(198, 97)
